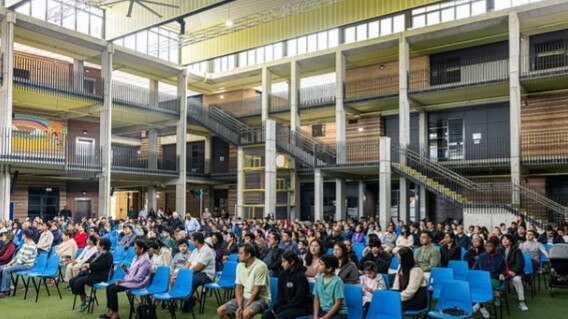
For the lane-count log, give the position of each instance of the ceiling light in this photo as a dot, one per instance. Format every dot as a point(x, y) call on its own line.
point(382, 66)
point(221, 96)
point(361, 129)
point(229, 23)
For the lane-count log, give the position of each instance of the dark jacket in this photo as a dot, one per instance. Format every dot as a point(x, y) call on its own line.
point(273, 259)
point(494, 263)
point(382, 260)
point(463, 241)
point(555, 240)
point(100, 266)
point(515, 260)
point(331, 241)
point(446, 254)
point(293, 291)
point(353, 257)
point(349, 273)
point(472, 255)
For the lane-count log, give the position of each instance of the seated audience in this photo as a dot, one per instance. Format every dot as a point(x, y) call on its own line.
point(478, 248)
point(449, 250)
point(67, 250)
point(347, 270)
point(329, 297)
point(311, 261)
point(516, 264)
point(272, 254)
point(427, 256)
point(24, 260)
point(7, 248)
point(74, 267)
point(374, 252)
point(410, 281)
point(370, 282)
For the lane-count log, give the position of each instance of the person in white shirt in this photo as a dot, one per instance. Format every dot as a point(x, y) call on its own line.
point(143, 214)
point(191, 224)
point(46, 238)
point(73, 268)
point(201, 261)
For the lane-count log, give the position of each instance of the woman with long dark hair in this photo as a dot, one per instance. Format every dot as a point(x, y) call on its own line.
point(348, 271)
point(410, 282)
point(404, 240)
point(315, 251)
point(294, 298)
point(448, 249)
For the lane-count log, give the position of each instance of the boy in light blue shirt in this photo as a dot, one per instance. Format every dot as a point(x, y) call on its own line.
point(329, 297)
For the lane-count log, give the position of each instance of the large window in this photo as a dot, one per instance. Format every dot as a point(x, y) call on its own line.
point(71, 14)
point(504, 4)
point(43, 202)
point(447, 11)
point(446, 139)
point(373, 29)
point(158, 42)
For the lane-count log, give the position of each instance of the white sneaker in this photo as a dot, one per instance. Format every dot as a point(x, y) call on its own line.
point(484, 313)
point(523, 306)
point(476, 307)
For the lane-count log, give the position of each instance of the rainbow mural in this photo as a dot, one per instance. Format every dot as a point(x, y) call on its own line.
point(36, 132)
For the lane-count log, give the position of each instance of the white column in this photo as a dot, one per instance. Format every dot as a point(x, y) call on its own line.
point(340, 134)
point(153, 90)
point(240, 182)
point(181, 143)
point(270, 168)
point(6, 99)
point(361, 199)
point(207, 155)
point(105, 134)
point(423, 139)
point(515, 104)
point(295, 80)
point(266, 91)
point(153, 149)
point(78, 70)
point(385, 181)
point(318, 195)
point(403, 122)
point(152, 198)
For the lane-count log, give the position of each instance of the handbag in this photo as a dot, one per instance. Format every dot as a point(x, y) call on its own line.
point(455, 311)
point(147, 311)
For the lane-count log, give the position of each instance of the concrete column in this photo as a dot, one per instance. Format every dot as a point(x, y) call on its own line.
point(270, 168)
point(295, 80)
point(153, 149)
point(361, 199)
point(181, 143)
point(515, 103)
point(525, 59)
point(153, 91)
point(266, 91)
point(152, 198)
point(340, 190)
point(240, 182)
point(385, 181)
point(6, 99)
point(340, 134)
point(318, 195)
point(78, 69)
point(424, 150)
point(403, 122)
point(105, 135)
point(207, 155)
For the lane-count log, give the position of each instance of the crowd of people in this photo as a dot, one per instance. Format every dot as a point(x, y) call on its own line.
point(299, 254)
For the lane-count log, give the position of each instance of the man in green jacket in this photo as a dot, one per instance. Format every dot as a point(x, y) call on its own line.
point(427, 256)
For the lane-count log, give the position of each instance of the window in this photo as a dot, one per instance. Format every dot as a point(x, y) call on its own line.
point(43, 202)
point(445, 72)
point(447, 11)
point(551, 54)
point(318, 130)
point(446, 139)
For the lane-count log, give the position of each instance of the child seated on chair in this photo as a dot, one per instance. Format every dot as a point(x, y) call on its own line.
point(328, 291)
point(370, 282)
point(180, 260)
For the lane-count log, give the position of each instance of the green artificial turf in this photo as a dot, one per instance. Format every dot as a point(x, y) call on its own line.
point(51, 307)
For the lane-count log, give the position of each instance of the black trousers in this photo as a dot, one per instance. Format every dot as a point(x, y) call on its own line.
point(291, 313)
point(418, 302)
point(112, 296)
point(78, 283)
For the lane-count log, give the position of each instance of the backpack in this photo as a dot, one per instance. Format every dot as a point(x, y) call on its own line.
point(146, 312)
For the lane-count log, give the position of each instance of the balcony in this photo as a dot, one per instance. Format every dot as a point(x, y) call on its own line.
point(461, 78)
point(137, 97)
point(384, 86)
point(544, 149)
point(132, 160)
point(318, 96)
point(545, 68)
point(39, 149)
point(245, 107)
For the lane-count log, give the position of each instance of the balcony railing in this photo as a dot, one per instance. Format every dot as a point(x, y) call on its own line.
point(133, 160)
point(544, 148)
point(241, 108)
point(319, 95)
point(358, 152)
point(279, 102)
point(56, 78)
point(545, 60)
point(383, 85)
point(460, 72)
point(139, 97)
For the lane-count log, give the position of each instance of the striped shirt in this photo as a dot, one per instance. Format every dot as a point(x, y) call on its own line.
point(27, 254)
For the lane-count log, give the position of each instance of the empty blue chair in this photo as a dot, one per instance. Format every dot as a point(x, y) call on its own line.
point(354, 301)
point(437, 278)
point(480, 287)
point(385, 305)
point(182, 289)
point(454, 294)
point(39, 266)
point(234, 257)
point(386, 279)
point(394, 263)
point(273, 290)
point(50, 272)
point(160, 283)
point(358, 249)
point(118, 255)
point(529, 273)
point(226, 281)
point(460, 269)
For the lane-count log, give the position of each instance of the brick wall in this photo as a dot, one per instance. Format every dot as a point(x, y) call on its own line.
point(544, 126)
point(232, 101)
point(20, 196)
point(75, 129)
point(75, 189)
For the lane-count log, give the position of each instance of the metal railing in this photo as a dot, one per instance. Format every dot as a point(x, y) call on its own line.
point(358, 152)
point(544, 148)
point(133, 160)
point(319, 95)
point(460, 72)
point(303, 147)
point(279, 102)
point(139, 97)
point(56, 77)
point(545, 59)
point(243, 107)
point(382, 85)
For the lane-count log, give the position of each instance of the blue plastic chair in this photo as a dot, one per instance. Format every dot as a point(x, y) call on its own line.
point(118, 274)
point(160, 284)
point(437, 278)
point(79, 252)
point(385, 305)
point(226, 282)
point(329, 251)
point(113, 242)
point(273, 290)
point(454, 294)
point(234, 257)
point(463, 252)
point(529, 273)
point(182, 289)
point(354, 301)
point(422, 312)
point(394, 263)
point(50, 272)
point(481, 288)
point(118, 255)
point(460, 269)
point(39, 266)
point(386, 279)
point(129, 256)
point(358, 249)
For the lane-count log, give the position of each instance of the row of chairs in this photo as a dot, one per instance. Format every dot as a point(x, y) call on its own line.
point(45, 267)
